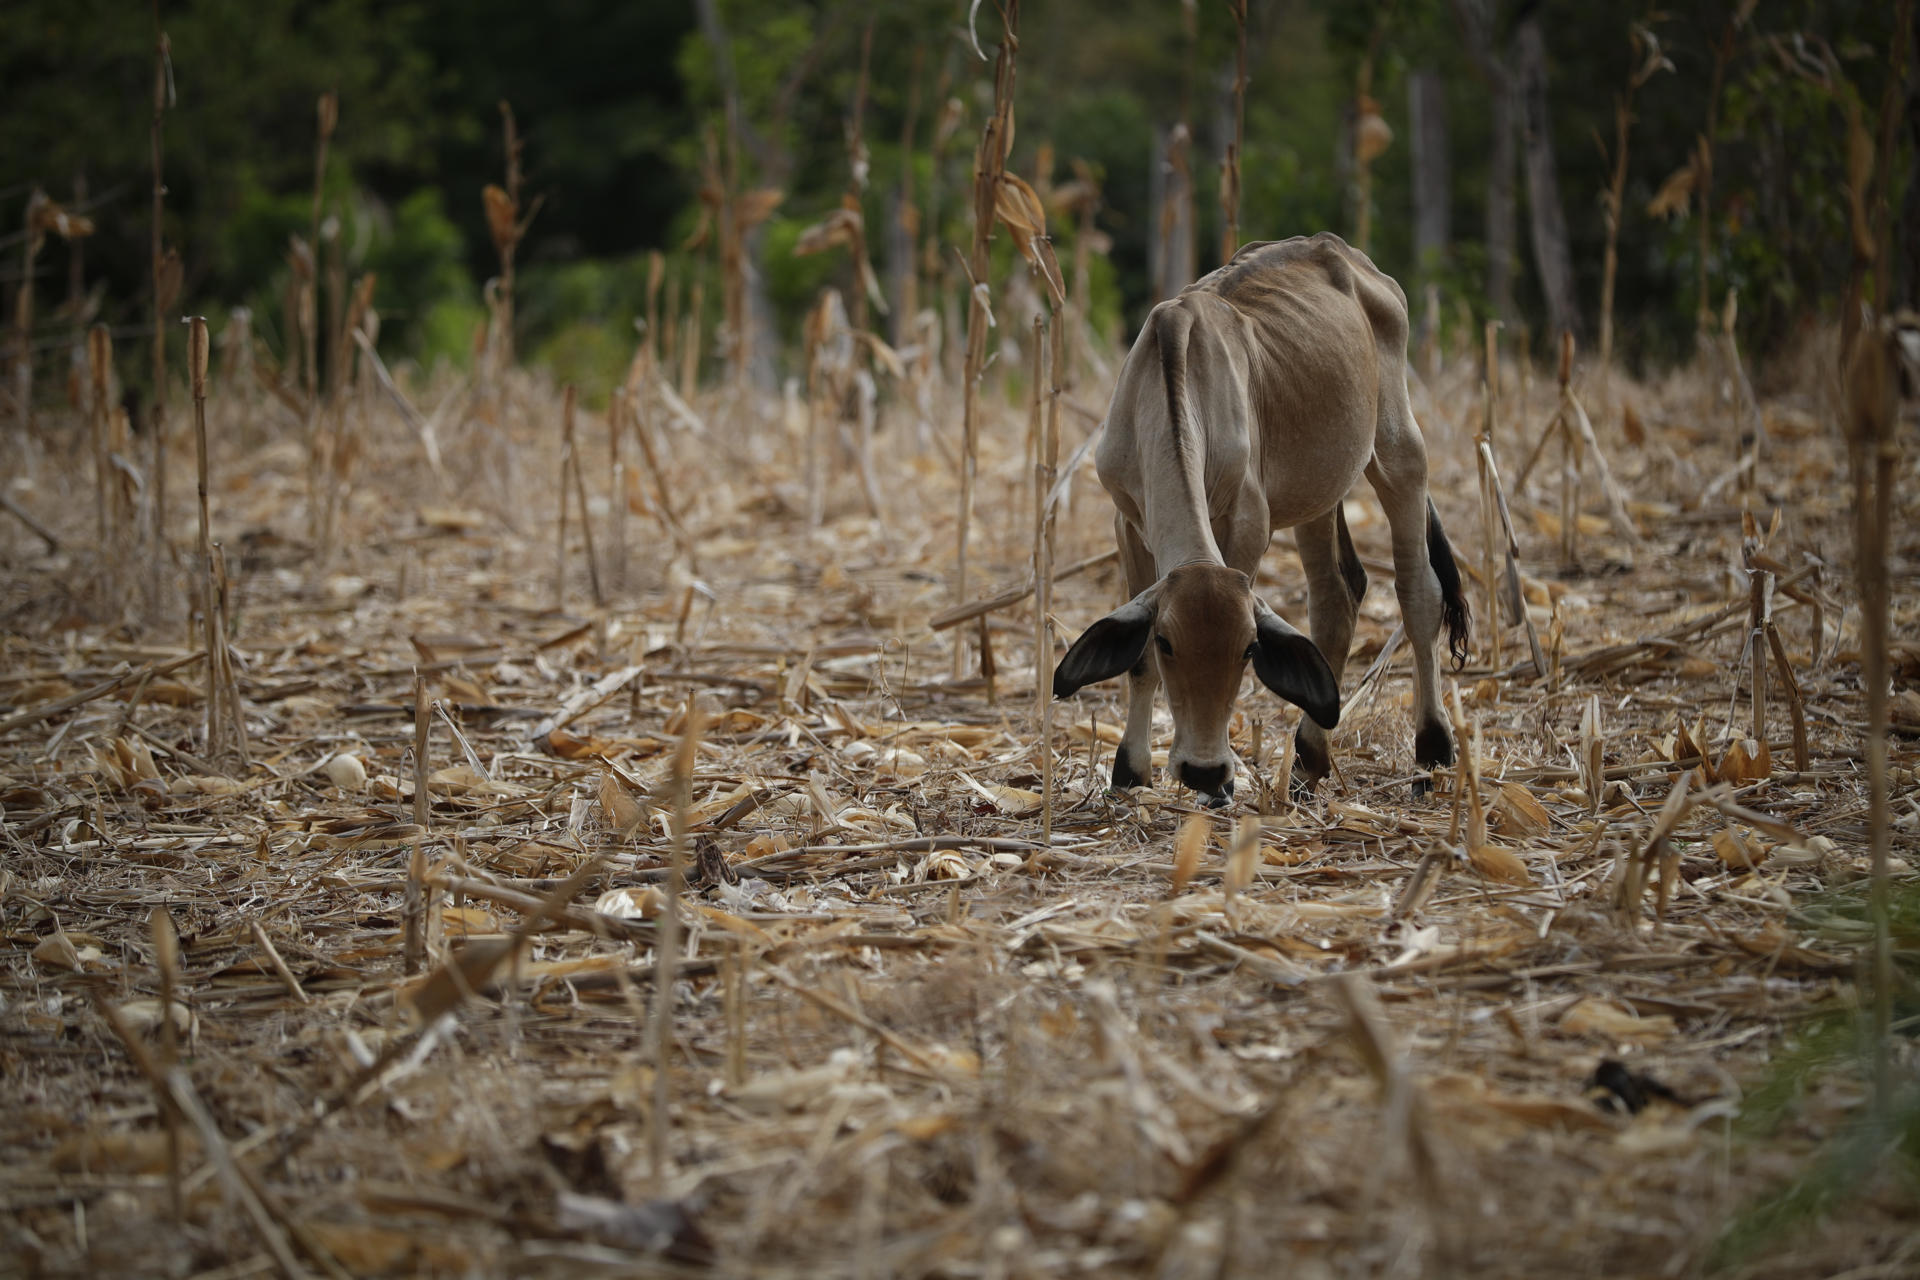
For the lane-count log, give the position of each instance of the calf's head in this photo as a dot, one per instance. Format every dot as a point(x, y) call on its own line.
point(1201, 624)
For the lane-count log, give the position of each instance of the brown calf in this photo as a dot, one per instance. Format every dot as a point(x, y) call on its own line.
point(1253, 402)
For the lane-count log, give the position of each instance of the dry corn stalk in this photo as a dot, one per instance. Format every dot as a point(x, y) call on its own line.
point(1079, 199)
point(1873, 448)
point(110, 431)
point(1043, 573)
point(337, 448)
point(507, 228)
point(617, 490)
point(1484, 445)
point(1510, 590)
point(237, 368)
point(846, 227)
point(43, 215)
point(1752, 432)
point(1649, 61)
point(1371, 133)
point(1042, 457)
point(1173, 236)
point(299, 313)
point(334, 248)
point(932, 263)
point(1578, 442)
point(1655, 861)
point(327, 116)
point(1593, 761)
point(670, 323)
point(838, 390)
point(656, 267)
point(1407, 1130)
point(163, 297)
point(640, 379)
point(727, 215)
point(838, 342)
point(226, 726)
point(858, 166)
point(414, 945)
point(1569, 464)
point(718, 224)
point(1230, 165)
point(100, 369)
point(906, 213)
point(166, 956)
point(667, 947)
point(1870, 387)
point(1759, 627)
point(690, 340)
point(1702, 165)
point(990, 162)
point(571, 482)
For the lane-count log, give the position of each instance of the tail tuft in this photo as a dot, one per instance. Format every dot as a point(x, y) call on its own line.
point(1453, 601)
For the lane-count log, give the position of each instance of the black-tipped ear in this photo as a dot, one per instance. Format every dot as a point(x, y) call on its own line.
point(1293, 667)
point(1105, 649)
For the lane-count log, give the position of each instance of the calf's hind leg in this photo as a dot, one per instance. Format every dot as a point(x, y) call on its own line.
point(1398, 474)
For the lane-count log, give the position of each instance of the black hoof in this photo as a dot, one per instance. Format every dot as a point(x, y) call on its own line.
point(1219, 800)
point(1300, 787)
point(1422, 788)
point(1125, 777)
point(1433, 746)
point(1310, 758)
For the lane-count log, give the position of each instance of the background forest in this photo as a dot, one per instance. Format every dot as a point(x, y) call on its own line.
point(1490, 128)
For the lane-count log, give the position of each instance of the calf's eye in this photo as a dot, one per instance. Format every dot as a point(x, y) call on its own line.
point(1248, 655)
point(1161, 642)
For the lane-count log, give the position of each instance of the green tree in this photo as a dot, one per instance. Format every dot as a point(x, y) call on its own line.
point(239, 132)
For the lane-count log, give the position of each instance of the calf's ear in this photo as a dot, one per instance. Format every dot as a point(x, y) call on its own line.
point(1293, 667)
point(1105, 649)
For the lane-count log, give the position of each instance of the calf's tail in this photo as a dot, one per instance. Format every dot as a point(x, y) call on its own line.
point(1453, 601)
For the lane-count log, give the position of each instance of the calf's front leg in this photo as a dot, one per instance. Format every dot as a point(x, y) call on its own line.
point(1133, 761)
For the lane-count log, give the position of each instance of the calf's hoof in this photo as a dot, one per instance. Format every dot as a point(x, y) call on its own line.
point(1311, 762)
point(1125, 776)
point(1433, 746)
point(1432, 749)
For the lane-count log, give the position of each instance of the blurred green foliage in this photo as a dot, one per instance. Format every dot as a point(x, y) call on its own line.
point(616, 104)
point(1836, 1047)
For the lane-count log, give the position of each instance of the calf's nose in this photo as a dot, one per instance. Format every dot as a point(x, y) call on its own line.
point(1214, 779)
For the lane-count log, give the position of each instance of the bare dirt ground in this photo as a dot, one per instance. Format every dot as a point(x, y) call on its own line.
point(906, 1036)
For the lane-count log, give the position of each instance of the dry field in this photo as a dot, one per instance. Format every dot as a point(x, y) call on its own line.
point(1348, 1034)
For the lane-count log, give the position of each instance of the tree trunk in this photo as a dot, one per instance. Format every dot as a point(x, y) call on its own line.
point(1547, 219)
point(1906, 289)
point(1501, 232)
point(1427, 116)
point(1226, 161)
point(903, 281)
point(1346, 165)
point(774, 163)
point(765, 345)
point(1476, 29)
point(1170, 251)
